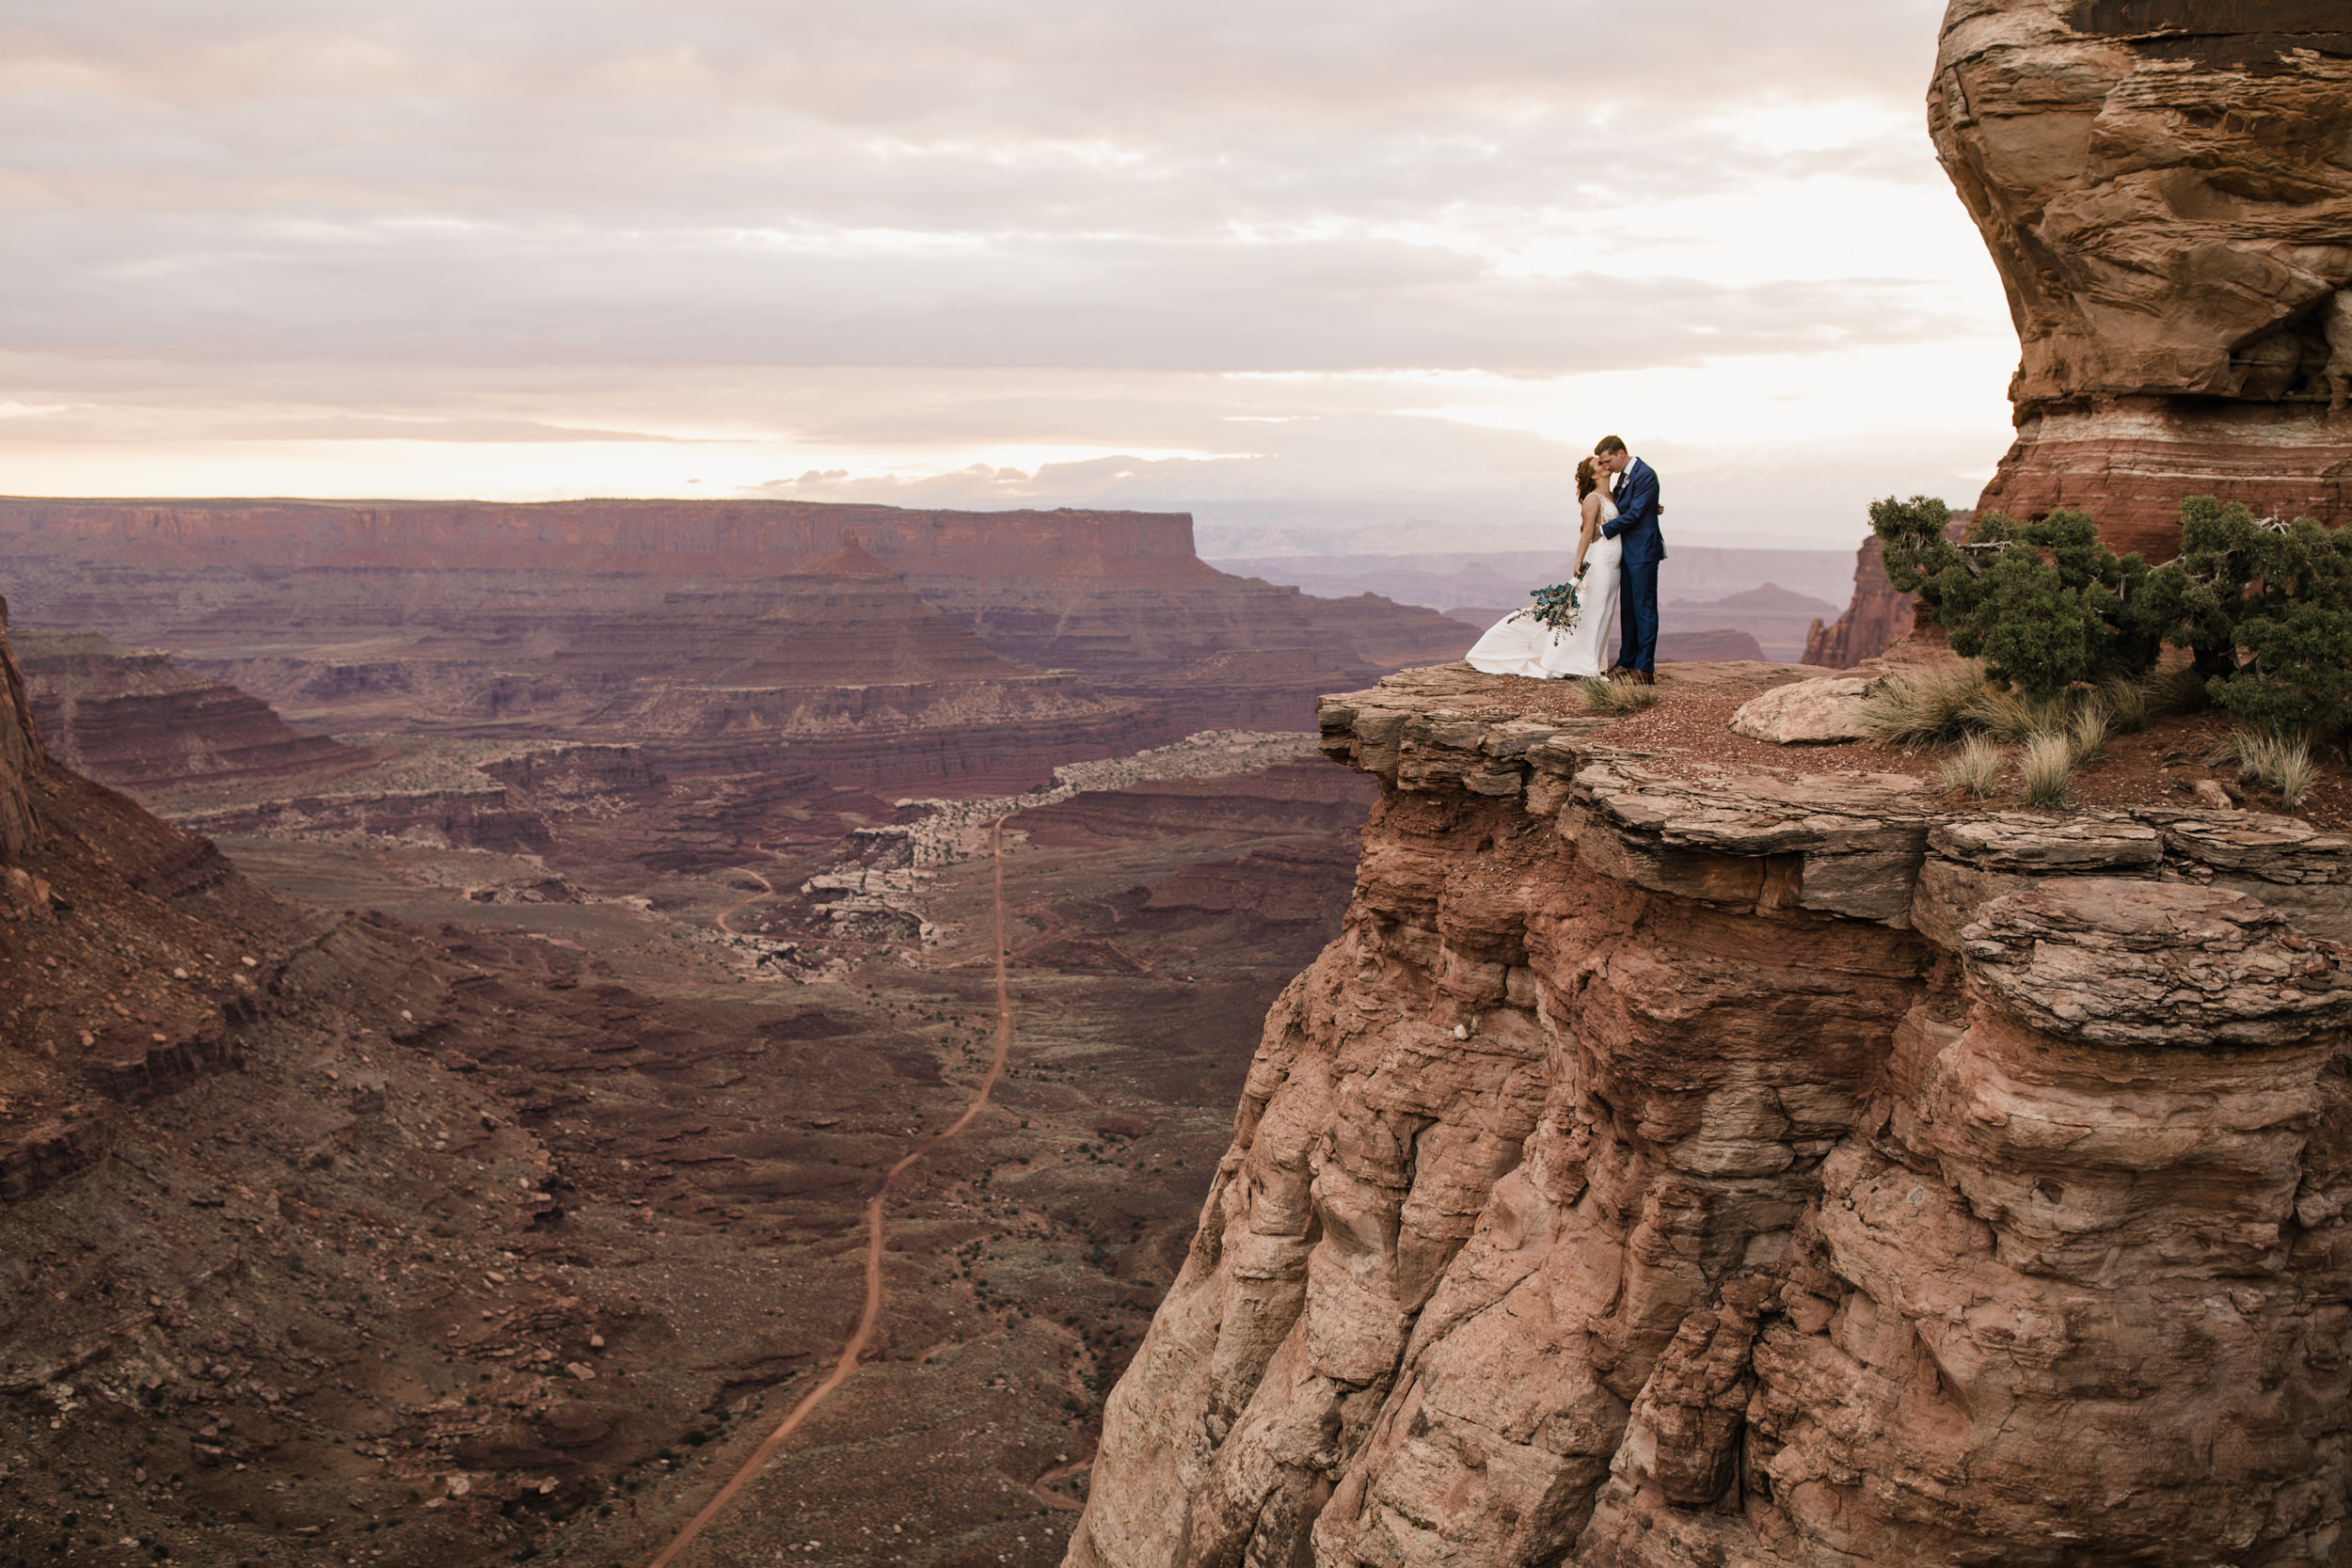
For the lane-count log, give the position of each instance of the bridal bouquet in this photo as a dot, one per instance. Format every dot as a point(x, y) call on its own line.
point(1556, 607)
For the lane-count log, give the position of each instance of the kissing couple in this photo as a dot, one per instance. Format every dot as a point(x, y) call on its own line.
point(1615, 578)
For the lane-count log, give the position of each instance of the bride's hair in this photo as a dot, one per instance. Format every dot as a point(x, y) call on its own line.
point(1587, 478)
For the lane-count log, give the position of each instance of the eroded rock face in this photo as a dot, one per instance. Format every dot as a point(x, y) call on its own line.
point(1765, 1170)
point(131, 717)
point(1874, 617)
point(20, 743)
point(551, 619)
point(2163, 187)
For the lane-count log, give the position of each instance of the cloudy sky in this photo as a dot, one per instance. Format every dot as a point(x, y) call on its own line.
point(1363, 276)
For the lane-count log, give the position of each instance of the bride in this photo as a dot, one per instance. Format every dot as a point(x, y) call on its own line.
point(1520, 644)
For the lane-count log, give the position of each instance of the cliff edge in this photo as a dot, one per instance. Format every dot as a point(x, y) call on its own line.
point(1671, 1164)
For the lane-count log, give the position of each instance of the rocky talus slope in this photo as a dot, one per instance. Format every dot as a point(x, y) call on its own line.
point(1671, 1164)
point(2163, 186)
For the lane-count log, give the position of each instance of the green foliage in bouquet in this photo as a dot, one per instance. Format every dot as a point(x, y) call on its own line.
point(2044, 604)
point(1556, 607)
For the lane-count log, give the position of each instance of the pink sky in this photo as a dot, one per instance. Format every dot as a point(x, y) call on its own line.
point(1332, 276)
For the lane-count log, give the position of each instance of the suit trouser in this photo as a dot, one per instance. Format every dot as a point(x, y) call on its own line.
point(1637, 615)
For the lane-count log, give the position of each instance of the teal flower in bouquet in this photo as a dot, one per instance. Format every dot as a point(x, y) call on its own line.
point(1556, 607)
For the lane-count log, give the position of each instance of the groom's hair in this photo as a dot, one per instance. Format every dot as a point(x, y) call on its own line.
point(1609, 444)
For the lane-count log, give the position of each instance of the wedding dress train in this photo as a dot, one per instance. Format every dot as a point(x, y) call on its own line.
point(1520, 644)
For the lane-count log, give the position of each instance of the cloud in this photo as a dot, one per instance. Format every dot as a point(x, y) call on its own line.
point(899, 240)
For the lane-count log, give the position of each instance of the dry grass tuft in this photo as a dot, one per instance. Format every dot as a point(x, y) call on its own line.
point(1913, 711)
point(2129, 705)
point(1975, 770)
point(2277, 762)
point(2045, 769)
point(2090, 733)
point(1616, 697)
point(2015, 718)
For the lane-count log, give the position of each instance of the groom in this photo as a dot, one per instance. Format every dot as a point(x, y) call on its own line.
point(1644, 548)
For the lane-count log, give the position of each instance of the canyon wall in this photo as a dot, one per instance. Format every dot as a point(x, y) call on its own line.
point(728, 539)
point(20, 743)
point(1671, 1164)
point(1873, 619)
point(714, 624)
point(2162, 186)
point(132, 718)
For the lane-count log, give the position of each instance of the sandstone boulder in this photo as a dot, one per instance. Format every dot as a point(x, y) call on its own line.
point(1805, 713)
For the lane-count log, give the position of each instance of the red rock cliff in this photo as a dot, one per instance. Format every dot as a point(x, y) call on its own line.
point(131, 719)
point(1875, 618)
point(1765, 1170)
point(2163, 187)
point(314, 589)
point(20, 745)
point(748, 538)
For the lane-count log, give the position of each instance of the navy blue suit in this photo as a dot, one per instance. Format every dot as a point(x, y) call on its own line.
point(1645, 547)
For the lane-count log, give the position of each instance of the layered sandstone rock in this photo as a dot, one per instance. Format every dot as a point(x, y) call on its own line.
point(391, 612)
point(1680, 1166)
point(2162, 186)
point(1873, 620)
point(20, 743)
point(132, 718)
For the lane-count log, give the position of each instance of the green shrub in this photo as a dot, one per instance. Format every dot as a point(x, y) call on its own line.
point(2265, 610)
point(2043, 603)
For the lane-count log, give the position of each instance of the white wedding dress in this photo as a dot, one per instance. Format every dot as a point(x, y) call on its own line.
point(1520, 644)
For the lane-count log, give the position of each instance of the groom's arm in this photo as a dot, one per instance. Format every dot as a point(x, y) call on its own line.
point(1639, 501)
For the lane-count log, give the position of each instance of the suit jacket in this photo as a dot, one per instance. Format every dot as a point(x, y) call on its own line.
point(1637, 516)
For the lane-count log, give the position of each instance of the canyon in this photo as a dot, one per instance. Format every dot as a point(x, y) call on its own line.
point(460, 1152)
point(443, 1094)
point(954, 651)
point(1677, 1160)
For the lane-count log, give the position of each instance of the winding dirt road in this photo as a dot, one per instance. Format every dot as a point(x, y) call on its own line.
point(766, 890)
point(856, 1348)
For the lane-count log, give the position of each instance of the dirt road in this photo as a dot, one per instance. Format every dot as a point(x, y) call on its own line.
point(855, 1347)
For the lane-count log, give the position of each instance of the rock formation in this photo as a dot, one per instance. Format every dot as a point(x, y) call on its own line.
point(1875, 617)
point(1775, 617)
point(1671, 1164)
point(132, 718)
point(2162, 186)
point(20, 743)
point(389, 616)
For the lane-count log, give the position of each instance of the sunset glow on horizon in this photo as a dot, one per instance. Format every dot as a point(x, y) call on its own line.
point(1329, 279)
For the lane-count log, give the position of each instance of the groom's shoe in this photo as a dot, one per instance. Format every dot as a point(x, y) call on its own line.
point(1646, 677)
